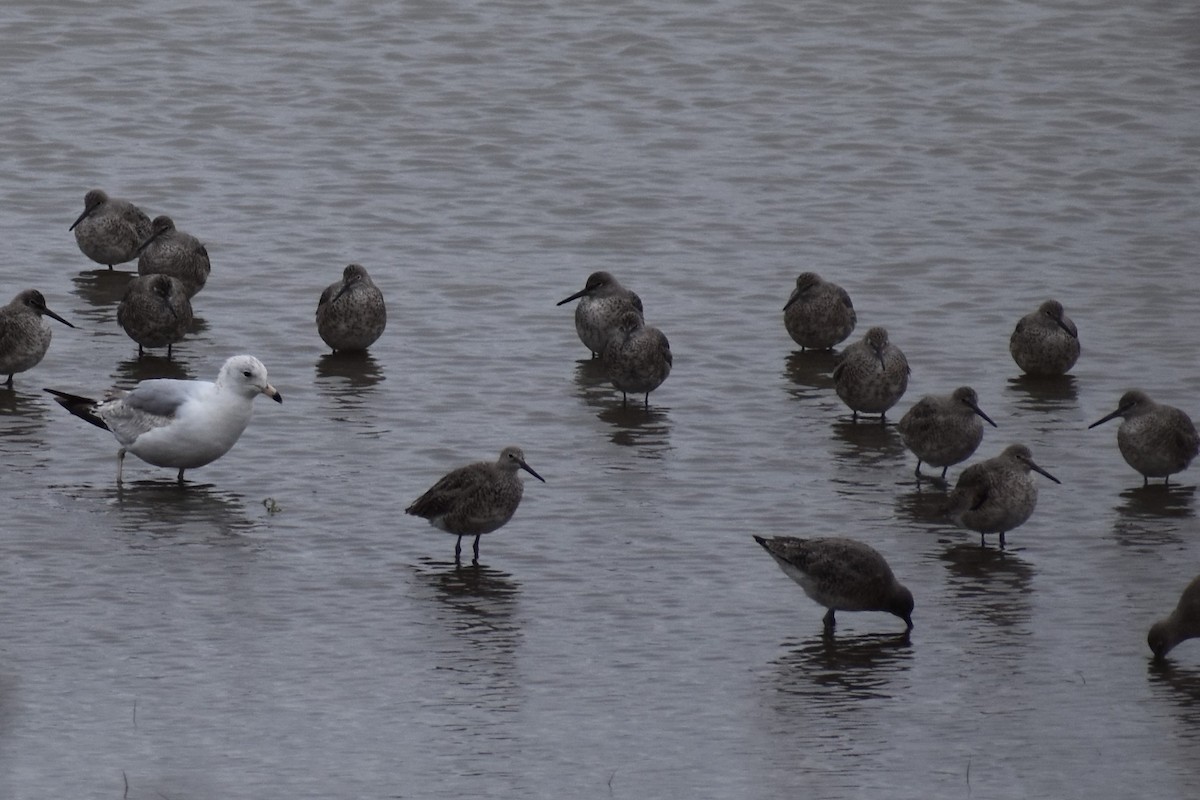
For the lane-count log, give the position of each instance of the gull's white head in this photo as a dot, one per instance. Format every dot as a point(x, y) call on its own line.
point(247, 375)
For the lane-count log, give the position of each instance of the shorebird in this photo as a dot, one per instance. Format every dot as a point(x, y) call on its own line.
point(351, 314)
point(175, 423)
point(1046, 342)
point(24, 335)
point(996, 495)
point(842, 575)
point(1182, 623)
point(603, 300)
point(475, 499)
point(871, 374)
point(819, 314)
point(942, 430)
point(1155, 439)
point(109, 230)
point(169, 251)
point(155, 312)
point(636, 357)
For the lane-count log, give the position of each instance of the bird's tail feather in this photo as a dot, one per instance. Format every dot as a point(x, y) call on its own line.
point(82, 407)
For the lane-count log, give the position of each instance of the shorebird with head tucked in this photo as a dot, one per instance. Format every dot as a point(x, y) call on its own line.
point(1155, 439)
point(998, 494)
point(871, 375)
point(602, 301)
point(155, 312)
point(109, 230)
point(637, 357)
point(475, 499)
point(351, 314)
point(169, 251)
point(818, 314)
point(24, 335)
point(942, 430)
point(1045, 342)
point(842, 575)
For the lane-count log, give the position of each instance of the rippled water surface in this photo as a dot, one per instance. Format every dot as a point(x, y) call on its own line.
point(280, 629)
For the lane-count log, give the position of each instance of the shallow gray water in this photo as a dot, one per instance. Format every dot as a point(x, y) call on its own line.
point(951, 165)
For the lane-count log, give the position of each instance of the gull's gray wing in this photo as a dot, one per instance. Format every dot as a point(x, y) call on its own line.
point(151, 404)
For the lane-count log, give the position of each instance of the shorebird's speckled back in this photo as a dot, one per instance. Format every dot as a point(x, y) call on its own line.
point(942, 430)
point(169, 251)
point(602, 301)
point(351, 314)
point(109, 230)
point(1046, 342)
point(998, 494)
point(155, 311)
point(871, 375)
point(841, 574)
point(1155, 439)
point(637, 357)
point(818, 314)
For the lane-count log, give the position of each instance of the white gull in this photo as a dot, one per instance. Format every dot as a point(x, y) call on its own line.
point(176, 423)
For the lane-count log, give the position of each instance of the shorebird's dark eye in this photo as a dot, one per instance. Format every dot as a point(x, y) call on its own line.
point(246, 372)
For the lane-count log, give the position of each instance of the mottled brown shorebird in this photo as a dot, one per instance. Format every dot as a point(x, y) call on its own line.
point(1182, 623)
point(176, 423)
point(155, 312)
point(819, 314)
point(109, 230)
point(169, 251)
point(943, 430)
point(636, 357)
point(841, 575)
point(1046, 342)
point(602, 300)
point(1155, 439)
point(475, 499)
point(871, 375)
point(24, 335)
point(351, 314)
point(998, 494)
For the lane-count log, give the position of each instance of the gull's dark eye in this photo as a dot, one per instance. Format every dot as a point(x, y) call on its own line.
point(246, 372)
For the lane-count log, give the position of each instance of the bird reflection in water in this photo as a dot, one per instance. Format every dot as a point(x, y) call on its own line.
point(357, 369)
point(924, 505)
point(476, 605)
point(648, 429)
point(1179, 685)
point(593, 386)
point(1044, 394)
point(812, 373)
point(1158, 501)
point(102, 288)
point(869, 444)
point(166, 512)
point(845, 670)
point(990, 583)
point(150, 366)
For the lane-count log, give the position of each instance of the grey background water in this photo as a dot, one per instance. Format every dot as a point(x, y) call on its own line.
point(950, 164)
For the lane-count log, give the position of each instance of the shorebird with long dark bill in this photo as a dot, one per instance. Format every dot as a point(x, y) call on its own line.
point(1155, 439)
point(943, 430)
point(842, 575)
point(476, 499)
point(109, 230)
point(998, 494)
point(24, 334)
point(602, 301)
